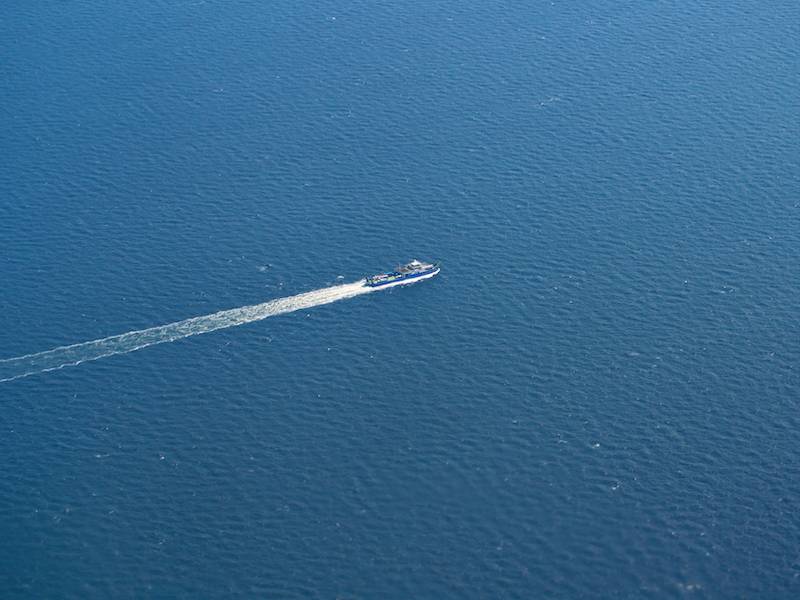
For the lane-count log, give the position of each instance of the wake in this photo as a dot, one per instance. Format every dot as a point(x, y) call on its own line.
point(67, 356)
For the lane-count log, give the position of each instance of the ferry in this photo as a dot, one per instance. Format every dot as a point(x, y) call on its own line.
point(408, 273)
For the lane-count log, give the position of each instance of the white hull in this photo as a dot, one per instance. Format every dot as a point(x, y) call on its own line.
point(406, 281)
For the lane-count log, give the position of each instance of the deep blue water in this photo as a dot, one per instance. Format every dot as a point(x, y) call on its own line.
point(598, 397)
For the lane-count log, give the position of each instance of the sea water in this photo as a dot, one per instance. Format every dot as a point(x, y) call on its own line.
point(597, 397)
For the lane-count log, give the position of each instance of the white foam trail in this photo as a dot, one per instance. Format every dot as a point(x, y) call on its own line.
point(67, 356)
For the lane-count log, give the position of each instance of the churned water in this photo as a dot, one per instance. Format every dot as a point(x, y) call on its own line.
point(122, 343)
point(598, 396)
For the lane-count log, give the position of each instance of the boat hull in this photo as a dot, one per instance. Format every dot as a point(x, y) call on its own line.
point(405, 281)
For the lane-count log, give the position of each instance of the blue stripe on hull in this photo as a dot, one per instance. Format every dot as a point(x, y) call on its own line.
point(413, 276)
